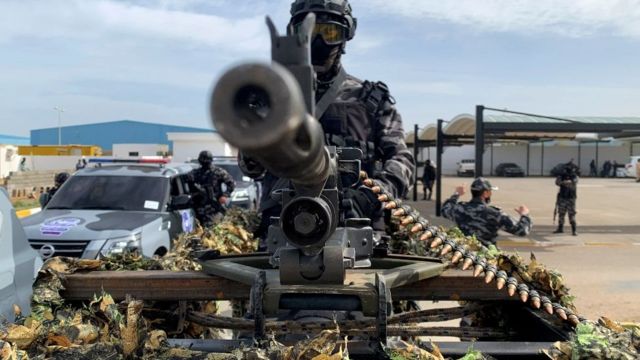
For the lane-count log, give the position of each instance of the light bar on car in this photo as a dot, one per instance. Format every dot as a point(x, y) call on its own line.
point(143, 160)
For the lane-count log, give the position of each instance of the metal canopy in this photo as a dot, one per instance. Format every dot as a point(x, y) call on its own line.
point(517, 124)
point(513, 126)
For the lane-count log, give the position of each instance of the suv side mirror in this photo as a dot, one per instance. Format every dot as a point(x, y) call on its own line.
point(181, 202)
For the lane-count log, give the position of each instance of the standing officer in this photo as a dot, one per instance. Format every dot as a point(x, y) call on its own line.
point(352, 112)
point(566, 199)
point(478, 218)
point(209, 197)
point(428, 178)
point(59, 179)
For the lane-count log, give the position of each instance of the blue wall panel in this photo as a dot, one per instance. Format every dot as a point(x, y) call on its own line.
point(109, 133)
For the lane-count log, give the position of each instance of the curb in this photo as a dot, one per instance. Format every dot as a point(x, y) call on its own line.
point(28, 212)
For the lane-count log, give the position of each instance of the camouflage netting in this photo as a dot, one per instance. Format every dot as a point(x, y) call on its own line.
point(132, 329)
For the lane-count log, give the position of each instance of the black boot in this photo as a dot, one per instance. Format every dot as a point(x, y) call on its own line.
point(559, 230)
point(574, 229)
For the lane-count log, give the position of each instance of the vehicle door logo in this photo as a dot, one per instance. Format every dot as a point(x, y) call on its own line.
point(187, 221)
point(46, 251)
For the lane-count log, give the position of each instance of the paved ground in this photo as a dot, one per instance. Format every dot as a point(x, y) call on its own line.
point(602, 264)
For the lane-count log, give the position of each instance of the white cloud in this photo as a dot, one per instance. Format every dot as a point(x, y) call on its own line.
point(565, 17)
point(98, 20)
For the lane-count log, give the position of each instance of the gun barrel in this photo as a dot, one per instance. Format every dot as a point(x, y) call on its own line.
point(260, 109)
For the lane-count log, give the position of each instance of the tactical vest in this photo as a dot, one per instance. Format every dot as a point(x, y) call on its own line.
point(355, 123)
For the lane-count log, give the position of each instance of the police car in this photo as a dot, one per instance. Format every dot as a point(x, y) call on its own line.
point(116, 205)
point(19, 264)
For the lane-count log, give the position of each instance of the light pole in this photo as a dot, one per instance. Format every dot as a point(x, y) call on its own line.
point(60, 110)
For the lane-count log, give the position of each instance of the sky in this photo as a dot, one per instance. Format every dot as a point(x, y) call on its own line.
point(157, 60)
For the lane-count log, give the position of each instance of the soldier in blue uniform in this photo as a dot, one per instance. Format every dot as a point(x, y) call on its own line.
point(478, 218)
point(208, 194)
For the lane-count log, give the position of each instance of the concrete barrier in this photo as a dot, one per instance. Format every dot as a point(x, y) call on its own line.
point(27, 184)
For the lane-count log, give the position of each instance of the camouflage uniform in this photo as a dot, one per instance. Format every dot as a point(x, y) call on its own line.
point(566, 200)
point(207, 182)
point(478, 218)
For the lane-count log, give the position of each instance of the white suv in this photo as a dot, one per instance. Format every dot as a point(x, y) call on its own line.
point(466, 167)
point(631, 167)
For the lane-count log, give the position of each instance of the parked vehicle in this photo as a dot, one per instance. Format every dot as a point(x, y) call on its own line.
point(247, 192)
point(630, 168)
point(466, 167)
point(509, 169)
point(19, 263)
point(113, 207)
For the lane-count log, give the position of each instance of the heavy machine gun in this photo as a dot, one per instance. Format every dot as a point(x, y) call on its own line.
point(319, 258)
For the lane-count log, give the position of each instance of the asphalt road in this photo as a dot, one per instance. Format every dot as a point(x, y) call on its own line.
point(602, 264)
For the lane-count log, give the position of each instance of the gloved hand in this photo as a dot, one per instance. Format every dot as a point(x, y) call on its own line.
point(363, 203)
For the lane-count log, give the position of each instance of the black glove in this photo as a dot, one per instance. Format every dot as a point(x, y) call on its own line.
point(362, 203)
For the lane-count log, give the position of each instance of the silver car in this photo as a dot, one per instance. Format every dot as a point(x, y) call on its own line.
point(19, 263)
point(115, 207)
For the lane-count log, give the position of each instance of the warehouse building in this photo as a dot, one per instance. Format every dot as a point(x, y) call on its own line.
point(107, 134)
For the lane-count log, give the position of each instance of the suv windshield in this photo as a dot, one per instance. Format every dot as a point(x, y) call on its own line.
point(129, 193)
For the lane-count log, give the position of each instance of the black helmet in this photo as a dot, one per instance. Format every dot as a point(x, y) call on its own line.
point(205, 158)
point(61, 178)
point(339, 10)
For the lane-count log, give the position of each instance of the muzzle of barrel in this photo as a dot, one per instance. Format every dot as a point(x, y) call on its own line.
point(260, 110)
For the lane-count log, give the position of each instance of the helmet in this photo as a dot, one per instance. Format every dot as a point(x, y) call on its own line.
point(482, 184)
point(205, 158)
point(61, 178)
point(340, 10)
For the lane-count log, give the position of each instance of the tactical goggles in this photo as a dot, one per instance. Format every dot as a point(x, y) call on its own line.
point(333, 33)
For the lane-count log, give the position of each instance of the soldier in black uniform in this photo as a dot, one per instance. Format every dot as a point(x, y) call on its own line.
point(428, 178)
point(59, 179)
point(566, 199)
point(353, 113)
point(209, 197)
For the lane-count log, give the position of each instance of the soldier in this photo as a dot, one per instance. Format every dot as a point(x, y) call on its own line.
point(209, 197)
point(353, 113)
point(428, 178)
point(566, 199)
point(478, 218)
point(59, 179)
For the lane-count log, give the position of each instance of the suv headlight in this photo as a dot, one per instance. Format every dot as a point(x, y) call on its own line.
point(240, 195)
point(119, 245)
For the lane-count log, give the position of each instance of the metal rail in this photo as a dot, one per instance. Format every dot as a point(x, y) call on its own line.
point(197, 286)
